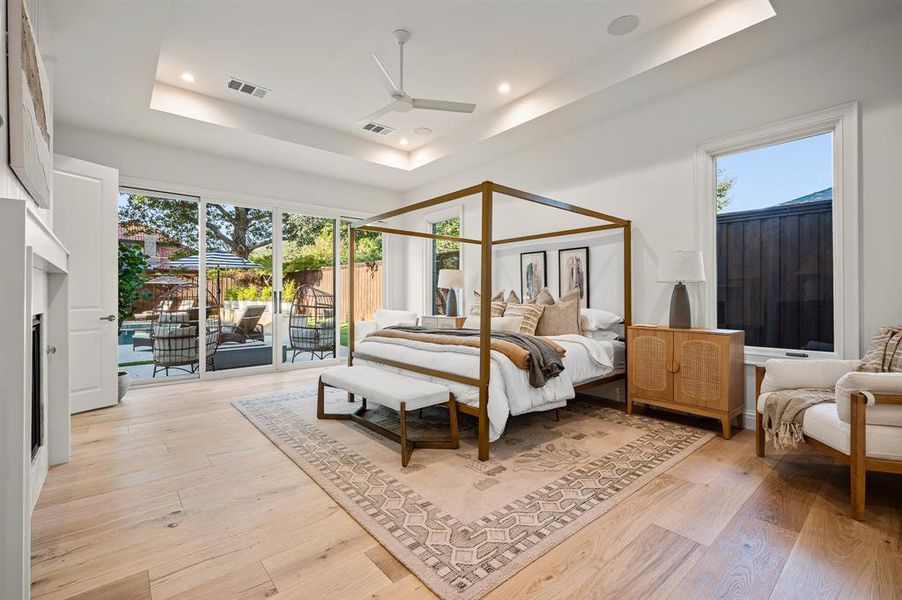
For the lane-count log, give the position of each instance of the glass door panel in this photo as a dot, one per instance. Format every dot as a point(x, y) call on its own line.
point(239, 263)
point(368, 274)
point(158, 285)
point(308, 289)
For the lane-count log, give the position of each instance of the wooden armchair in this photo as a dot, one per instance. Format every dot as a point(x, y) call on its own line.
point(862, 429)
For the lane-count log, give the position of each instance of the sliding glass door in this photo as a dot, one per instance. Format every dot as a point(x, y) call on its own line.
point(308, 301)
point(239, 269)
point(212, 286)
point(158, 287)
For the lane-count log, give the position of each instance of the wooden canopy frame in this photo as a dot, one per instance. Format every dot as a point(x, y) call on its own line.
point(487, 190)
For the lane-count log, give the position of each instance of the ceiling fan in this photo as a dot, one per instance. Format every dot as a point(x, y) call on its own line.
point(400, 100)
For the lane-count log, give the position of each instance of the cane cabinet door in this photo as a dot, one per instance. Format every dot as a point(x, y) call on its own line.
point(650, 363)
point(702, 372)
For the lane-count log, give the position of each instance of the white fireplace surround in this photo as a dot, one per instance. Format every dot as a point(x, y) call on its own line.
point(33, 280)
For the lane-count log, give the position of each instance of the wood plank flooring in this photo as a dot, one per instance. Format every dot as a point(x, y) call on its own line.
point(173, 494)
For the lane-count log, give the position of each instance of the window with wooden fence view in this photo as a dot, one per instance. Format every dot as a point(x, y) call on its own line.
point(445, 255)
point(775, 244)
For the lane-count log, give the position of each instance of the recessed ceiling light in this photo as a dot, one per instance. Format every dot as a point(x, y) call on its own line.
point(422, 131)
point(504, 87)
point(623, 25)
point(188, 77)
point(403, 141)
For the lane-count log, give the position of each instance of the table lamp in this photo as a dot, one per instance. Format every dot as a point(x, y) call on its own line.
point(681, 267)
point(450, 280)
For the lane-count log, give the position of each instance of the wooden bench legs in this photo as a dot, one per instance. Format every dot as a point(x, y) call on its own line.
point(407, 445)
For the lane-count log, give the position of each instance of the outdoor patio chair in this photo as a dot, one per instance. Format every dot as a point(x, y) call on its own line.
point(174, 336)
point(247, 328)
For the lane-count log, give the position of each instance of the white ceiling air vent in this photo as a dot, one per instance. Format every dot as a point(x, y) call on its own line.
point(374, 127)
point(247, 88)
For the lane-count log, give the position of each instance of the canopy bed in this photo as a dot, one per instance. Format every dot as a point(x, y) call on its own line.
point(403, 358)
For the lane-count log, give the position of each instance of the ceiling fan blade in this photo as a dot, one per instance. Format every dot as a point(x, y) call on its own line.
point(373, 116)
point(461, 107)
point(390, 86)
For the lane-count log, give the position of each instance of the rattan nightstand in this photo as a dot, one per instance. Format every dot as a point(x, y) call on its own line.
point(698, 371)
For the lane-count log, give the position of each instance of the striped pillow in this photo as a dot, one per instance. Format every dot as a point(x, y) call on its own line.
point(497, 309)
point(531, 314)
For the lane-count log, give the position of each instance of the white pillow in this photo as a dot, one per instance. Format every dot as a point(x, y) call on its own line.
point(593, 319)
point(511, 324)
point(386, 318)
point(603, 335)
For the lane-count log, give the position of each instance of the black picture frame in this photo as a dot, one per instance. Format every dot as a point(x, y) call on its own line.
point(527, 258)
point(582, 254)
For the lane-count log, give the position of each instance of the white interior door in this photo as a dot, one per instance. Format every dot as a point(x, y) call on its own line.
point(85, 202)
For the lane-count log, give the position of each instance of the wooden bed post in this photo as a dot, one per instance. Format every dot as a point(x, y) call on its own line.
point(627, 274)
point(485, 320)
point(352, 240)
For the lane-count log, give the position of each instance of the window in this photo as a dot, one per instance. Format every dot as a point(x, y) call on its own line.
point(445, 255)
point(369, 275)
point(775, 244)
point(778, 221)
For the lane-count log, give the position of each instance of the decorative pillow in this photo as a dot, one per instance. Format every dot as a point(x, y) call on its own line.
point(603, 335)
point(499, 297)
point(562, 317)
point(543, 298)
point(497, 308)
point(530, 314)
point(513, 298)
point(593, 319)
point(511, 324)
point(884, 353)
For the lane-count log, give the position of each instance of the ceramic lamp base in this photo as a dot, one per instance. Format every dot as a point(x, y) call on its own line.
point(680, 312)
point(451, 303)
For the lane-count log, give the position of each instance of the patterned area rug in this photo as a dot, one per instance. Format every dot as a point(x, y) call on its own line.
point(461, 525)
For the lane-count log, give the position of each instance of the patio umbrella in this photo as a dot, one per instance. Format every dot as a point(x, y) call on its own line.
point(219, 260)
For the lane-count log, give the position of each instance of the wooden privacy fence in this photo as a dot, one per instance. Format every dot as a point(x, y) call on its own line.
point(367, 287)
point(775, 275)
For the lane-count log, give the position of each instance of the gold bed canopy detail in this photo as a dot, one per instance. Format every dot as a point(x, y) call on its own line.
point(487, 190)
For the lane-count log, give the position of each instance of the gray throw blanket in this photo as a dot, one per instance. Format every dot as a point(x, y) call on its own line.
point(784, 411)
point(544, 364)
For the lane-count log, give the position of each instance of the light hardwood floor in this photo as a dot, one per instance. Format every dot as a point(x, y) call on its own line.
point(173, 494)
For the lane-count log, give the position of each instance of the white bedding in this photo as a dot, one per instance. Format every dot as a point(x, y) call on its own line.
point(509, 389)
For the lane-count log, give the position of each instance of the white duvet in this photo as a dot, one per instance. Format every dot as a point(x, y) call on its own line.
point(509, 389)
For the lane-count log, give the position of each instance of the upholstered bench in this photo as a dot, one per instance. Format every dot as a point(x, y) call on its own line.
point(393, 391)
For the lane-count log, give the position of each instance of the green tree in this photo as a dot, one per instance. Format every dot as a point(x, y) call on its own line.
point(725, 183)
point(234, 229)
point(132, 275)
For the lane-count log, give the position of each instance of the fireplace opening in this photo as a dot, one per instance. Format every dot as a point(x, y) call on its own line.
point(37, 416)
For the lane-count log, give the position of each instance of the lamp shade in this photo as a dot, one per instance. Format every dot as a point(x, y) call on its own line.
point(450, 279)
point(681, 265)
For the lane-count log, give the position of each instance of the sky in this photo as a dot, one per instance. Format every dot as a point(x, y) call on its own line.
point(775, 174)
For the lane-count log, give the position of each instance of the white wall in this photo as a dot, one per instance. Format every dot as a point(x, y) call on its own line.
point(161, 163)
point(638, 164)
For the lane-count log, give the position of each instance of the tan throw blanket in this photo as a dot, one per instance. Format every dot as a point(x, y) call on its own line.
point(784, 411)
point(517, 355)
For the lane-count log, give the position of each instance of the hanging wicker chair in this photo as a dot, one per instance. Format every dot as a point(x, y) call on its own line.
point(311, 325)
point(174, 336)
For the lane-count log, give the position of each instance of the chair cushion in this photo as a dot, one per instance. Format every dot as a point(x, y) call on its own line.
point(887, 383)
point(786, 374)
point(823, 424)
point(387, 318)
point(386, 388)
